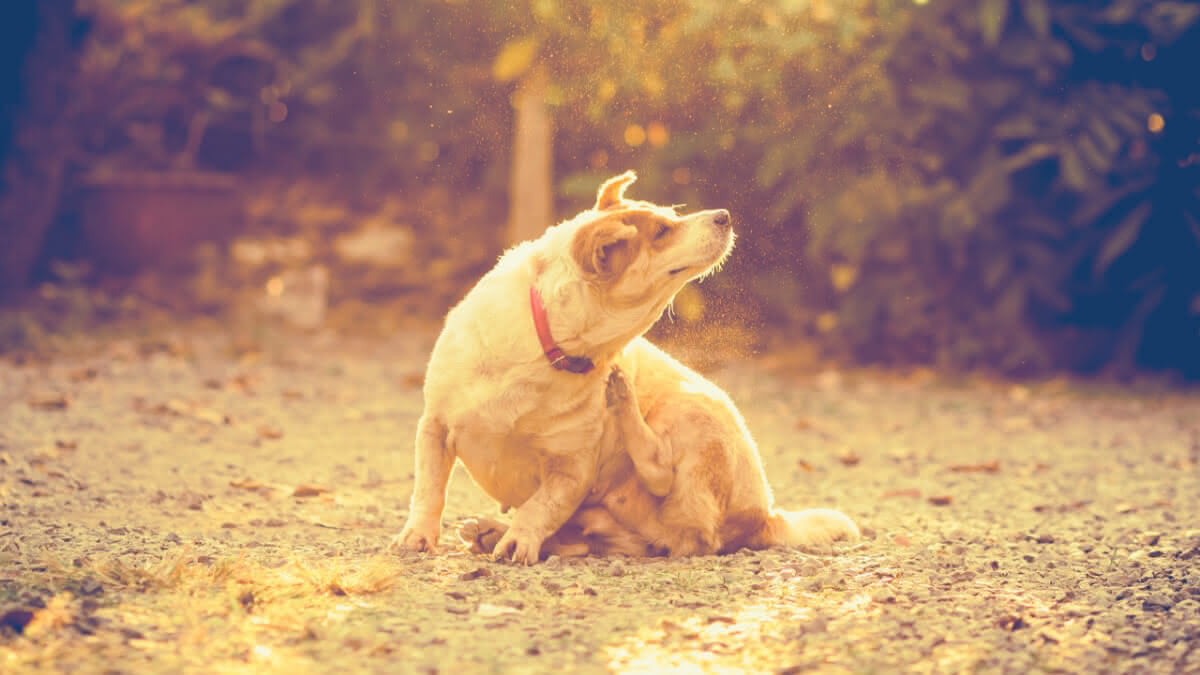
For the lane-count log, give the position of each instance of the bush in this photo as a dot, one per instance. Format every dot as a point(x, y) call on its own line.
point(1003, 183)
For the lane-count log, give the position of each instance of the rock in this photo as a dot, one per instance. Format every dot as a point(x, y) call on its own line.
point(477, 573)
point(1157, 603)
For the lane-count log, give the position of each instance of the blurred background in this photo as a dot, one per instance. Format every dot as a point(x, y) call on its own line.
point(1007, 186)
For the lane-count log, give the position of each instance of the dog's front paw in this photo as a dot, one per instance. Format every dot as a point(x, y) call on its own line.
point(518, 546)
point(417, 538)
point(481, 534)
point(618, 393)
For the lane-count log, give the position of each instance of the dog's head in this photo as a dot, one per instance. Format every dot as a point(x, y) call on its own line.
point(637, 255)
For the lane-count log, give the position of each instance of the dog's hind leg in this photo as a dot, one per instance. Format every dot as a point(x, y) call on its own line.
point(650, 453)
point(810, 529)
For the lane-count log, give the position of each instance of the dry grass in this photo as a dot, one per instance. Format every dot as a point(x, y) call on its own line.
point(176, 605)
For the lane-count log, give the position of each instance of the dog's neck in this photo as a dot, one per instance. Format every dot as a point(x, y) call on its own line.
point(559, 360)
point(579, 327)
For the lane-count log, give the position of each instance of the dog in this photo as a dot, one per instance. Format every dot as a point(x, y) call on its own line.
point(526, 386)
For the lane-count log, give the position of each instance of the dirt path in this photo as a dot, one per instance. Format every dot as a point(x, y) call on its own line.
point(170, 507)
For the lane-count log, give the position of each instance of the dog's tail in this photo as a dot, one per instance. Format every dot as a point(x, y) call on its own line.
point(810, 528)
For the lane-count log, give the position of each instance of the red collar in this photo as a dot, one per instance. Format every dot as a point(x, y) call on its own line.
point(558, 359)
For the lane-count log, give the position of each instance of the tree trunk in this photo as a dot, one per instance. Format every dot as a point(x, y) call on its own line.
point(530, 193)
point(38, 61)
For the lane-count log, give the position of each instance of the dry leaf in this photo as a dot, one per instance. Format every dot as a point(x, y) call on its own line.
point(83, 374)
point(49, 402)
point(309, 490)
point(986, 467)
point(849, 457)
point(267, 431)
point(211, 416)
point(248, 484)
point(941, 500)
point(804, 466)
point(910, 492)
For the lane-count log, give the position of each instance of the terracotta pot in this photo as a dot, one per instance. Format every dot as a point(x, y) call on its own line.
point(131, 221)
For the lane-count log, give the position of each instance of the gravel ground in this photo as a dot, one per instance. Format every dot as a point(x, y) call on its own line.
point(169, 505)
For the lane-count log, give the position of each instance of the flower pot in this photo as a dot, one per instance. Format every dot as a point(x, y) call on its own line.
point(135, 220)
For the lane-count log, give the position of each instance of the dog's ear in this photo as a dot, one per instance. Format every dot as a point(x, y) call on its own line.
point(612, 192)
point(605, 247)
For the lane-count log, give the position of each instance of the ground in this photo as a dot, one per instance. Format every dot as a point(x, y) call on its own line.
point(176, 502)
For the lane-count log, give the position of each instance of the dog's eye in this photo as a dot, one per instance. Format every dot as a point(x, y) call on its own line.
point(663, 230)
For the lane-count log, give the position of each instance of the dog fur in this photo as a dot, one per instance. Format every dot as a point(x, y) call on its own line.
point(640, 455)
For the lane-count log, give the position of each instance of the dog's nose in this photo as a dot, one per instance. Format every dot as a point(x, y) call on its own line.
point(721, 217)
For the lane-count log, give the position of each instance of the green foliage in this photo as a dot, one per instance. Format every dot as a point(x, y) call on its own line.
point(973, 163)
point(964, 183)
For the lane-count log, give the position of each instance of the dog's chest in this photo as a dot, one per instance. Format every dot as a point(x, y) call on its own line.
point(503, 439)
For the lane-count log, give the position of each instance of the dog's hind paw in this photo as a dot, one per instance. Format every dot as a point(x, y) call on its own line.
point(618, 393)
point(480, 535)
point(816, 529)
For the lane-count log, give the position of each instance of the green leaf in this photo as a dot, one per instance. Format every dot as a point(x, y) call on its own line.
point(1125, 234)
point(992, 15)
point(995, 270)
point(1046, 290)
point(1098, 205)
point(1099, 161)
point(1168, 20)
point(1011, 305)
point(1029, 155)
point(1015, 128)
point(1106, 137)
point(1037, 15)
point(1072, 170)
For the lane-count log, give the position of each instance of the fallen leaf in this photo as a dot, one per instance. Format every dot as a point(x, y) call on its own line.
point(83, 374)
point(1012, 623)
point(804, 466)
point(986, 467)
point(248, 484)
point(267, 431)
point(941, 500)
point(901, 540)
point(49, 402)
point(211, 416)
point(849, 457)
point(909, 492)
point(1126, 508)
point(309, 490)
point(177, 407)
